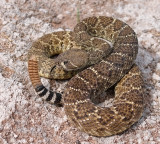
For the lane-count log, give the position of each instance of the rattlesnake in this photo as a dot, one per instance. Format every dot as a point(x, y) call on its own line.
point(105, 64)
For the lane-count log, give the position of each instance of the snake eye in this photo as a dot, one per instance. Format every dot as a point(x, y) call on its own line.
point(52, 68)
point(65, 62)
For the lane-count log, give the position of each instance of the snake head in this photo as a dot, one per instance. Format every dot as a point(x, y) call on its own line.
point(74, 59)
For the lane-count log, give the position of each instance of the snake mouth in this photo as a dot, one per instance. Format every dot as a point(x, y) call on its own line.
point(52, 69)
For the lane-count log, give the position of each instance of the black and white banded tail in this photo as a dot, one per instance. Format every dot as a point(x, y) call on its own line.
point(47, 95)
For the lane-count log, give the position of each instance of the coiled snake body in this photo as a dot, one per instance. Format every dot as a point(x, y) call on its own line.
point(97, 66)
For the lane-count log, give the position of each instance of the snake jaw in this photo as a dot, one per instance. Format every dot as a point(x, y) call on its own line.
point(69, 66)
point(52, 69)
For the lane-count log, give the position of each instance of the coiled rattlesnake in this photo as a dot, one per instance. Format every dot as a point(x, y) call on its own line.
point(105, 64)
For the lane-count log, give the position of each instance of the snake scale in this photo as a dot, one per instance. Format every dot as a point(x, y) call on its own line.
point(99, 53)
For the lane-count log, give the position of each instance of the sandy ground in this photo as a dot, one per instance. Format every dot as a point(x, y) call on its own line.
point(26, 119)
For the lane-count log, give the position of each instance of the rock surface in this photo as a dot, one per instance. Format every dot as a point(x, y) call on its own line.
point(26, 119)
